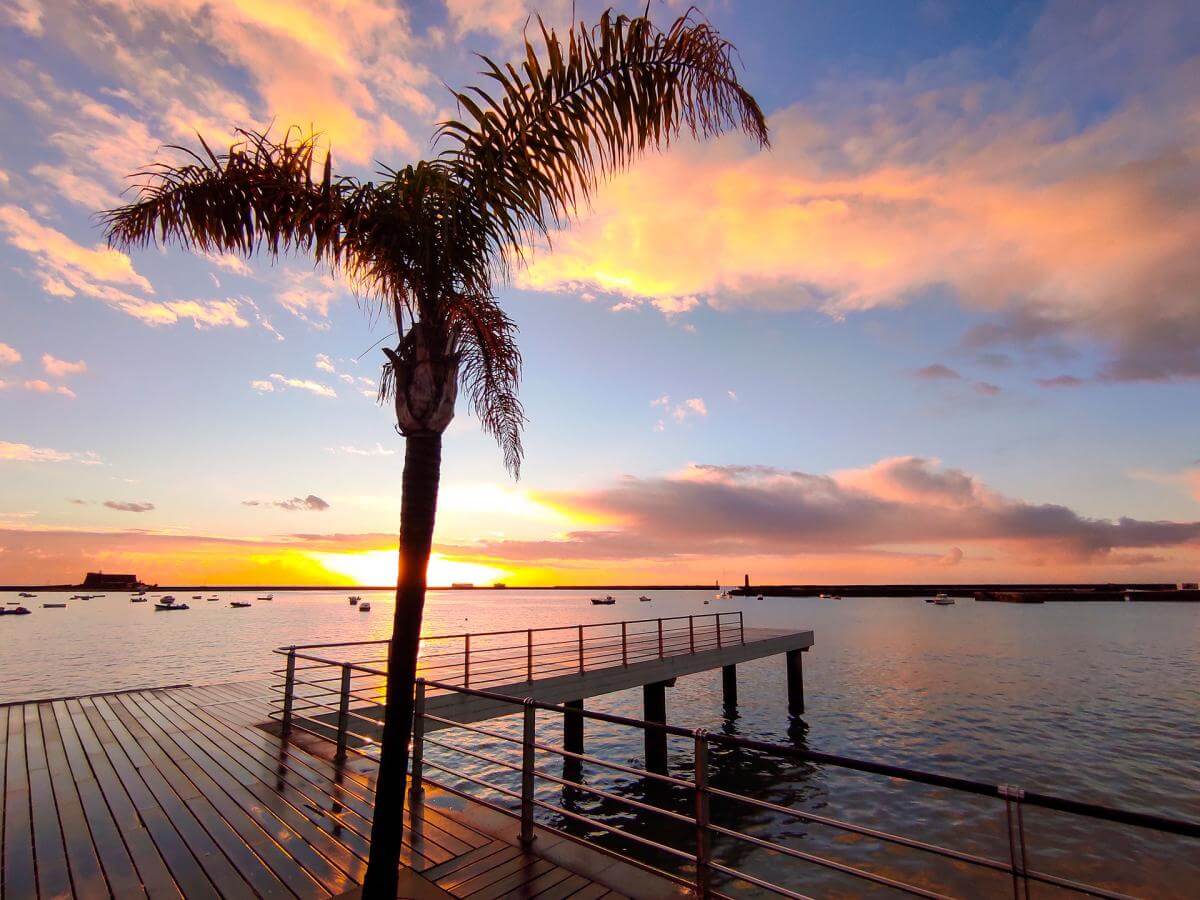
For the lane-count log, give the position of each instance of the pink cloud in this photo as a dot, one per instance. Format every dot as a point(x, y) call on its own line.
point(61, 368)
point(44, 387)
point(8, 355)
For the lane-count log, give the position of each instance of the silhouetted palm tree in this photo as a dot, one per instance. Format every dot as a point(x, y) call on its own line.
point(428, 244)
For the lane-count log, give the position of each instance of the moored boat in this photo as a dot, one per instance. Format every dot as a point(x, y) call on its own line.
point(644, 599)
point(163, 607)
point(603, 601)
point(16, 611)
point(354, 598)
point(26, 594)
point(364, 607)
point(239, 604)
point(267, 597)
point(137, 599)
point(943, 600)
point(54, 606)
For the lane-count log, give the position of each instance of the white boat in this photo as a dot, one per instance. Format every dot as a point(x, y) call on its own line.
point(364, 607)
point(267, 597)
point(164, 607)
point(213, 599)
point(603, 601)
point(239, 604)
point(943, 600)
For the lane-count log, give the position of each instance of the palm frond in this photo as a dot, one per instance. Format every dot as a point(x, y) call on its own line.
point(485, 340)
point(259, 195)
point(546, 134)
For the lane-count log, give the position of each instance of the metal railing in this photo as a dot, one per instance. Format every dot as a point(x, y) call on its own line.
point(686, 851)
point(490, 659)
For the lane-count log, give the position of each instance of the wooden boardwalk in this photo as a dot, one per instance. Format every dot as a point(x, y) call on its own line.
point(176, 792)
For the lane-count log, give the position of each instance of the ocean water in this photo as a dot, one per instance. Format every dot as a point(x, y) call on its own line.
point(1097, 702)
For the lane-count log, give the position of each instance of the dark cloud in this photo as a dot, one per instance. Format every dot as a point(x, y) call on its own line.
point(124, 506)
point(1060, 381)
point(895, 505)
point(311, 503)
point(937, 372)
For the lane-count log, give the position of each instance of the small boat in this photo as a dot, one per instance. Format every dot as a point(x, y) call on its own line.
point(604, 601)
point(13, 602)
point(239, 604)
point(19, 611)
point(54, 606)
point(137, 599)
point(267, 597)
point(163, 607)
point(364, 607)
point(644, 599)
point(26, 594)
point(213, 599)
point(354, 598)
point(706, 603)
point(760, 596)
point(943, 600)
point(168, 600)
point(196, 597)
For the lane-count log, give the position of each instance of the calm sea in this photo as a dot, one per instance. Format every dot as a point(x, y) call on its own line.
point(1099, 702)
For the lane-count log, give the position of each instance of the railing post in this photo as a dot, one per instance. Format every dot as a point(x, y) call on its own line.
point(703, 847)
point(416, 789)
point(660, 644)
point(580, 649)
point(343, 714)
point(742, 625)
point(1013, 796)
point(466, 660)
point(718, 629)
point(289, 691)
point(624, 647)
point(527, 773)
point(692, 633)
point(529, 654)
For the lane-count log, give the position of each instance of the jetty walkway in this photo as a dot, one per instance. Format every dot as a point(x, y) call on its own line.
point(253, 789)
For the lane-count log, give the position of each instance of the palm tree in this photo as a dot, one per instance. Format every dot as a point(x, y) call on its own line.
point(427, 245)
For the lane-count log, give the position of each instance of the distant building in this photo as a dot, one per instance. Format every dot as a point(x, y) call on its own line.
point(1188, 586)
point(111, 582)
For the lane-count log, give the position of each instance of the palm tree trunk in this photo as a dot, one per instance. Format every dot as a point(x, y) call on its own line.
point(418, 509)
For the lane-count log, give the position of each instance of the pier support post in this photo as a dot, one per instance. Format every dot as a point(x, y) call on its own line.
point(654, 700)
point(729, 686)
point(573, 726)
point(795, 683)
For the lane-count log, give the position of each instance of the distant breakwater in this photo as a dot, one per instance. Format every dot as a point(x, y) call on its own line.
point(997, 593)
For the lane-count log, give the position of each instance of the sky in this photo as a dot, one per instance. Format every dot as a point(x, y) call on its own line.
point(947, 328)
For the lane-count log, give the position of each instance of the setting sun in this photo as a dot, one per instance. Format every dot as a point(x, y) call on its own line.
point(378, 567)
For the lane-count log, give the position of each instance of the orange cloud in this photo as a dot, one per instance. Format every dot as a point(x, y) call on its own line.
point(44, 387)
point(873, 193)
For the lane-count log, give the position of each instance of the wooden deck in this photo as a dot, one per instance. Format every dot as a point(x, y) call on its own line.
point(175, 792)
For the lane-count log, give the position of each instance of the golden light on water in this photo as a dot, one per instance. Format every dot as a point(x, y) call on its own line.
point(379, 567)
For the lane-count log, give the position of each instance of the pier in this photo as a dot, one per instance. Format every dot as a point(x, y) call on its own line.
point(324, 683)
point(249, 789)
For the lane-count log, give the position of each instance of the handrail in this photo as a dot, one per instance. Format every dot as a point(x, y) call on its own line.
point(338, 719)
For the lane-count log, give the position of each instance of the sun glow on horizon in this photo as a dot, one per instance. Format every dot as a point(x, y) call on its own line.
point(379, 567)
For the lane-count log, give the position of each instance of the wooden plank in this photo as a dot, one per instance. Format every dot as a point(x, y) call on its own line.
point(565, 888)
point(292, 858)
point(466, 873)
point(193, 816)
point(544, 882)
point(50, 853)
point(438, 844)
point(443, 870)
point(593, 891)
point(131, 862)
point(3, 774)
point(20, 874)
point(274, 773)
point(507, 881)
point(241, 850)
point(87, 874)
point(159, 823)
